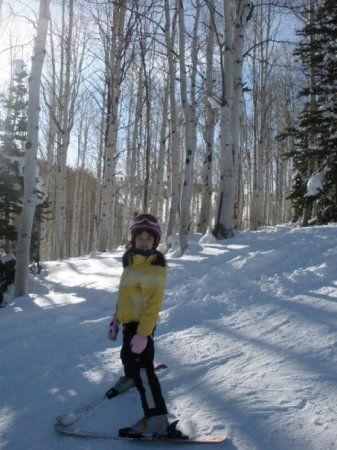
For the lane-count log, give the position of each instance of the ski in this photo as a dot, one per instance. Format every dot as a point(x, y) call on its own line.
point(74, 415)
point(70, 431)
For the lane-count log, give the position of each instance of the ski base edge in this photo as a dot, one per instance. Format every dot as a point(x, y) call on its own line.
point(70, 431)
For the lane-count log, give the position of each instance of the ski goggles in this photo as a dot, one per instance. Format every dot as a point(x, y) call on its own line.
point(146, 219)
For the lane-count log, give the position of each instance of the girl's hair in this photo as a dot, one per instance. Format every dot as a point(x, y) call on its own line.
point(158, 261)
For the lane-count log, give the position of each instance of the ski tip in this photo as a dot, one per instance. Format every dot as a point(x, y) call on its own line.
point(160, 367)
point(111, 393)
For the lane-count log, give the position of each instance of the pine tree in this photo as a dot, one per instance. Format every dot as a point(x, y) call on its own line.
point(315, 158)
point(13, 134)
point(12, 137)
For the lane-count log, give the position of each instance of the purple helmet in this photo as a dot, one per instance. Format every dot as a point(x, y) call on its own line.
point(148, 223)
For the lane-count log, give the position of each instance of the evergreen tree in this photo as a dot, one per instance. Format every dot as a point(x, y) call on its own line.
point(314, 192)
point(13, 133)
point(12, 138)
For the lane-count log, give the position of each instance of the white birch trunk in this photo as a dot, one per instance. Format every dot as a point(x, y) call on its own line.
point(159, 178)
point(235, 16)
point(224, 225)
point(261, 102)
point(207, 188)
point(99, 176)
point(106, 222)
point(312, 161)
point(29, 198)
point(148, 133)
point(242, 14)
point(78, 237)
point(174, 148)
point(132, 155)
point(47, 229)
point(189, 123)
point(63, 143)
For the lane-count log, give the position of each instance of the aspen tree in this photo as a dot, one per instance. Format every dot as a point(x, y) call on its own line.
point(31, 146)
point(212, 108)
point(157, 204)
point(236, 14)
point(188, 104)
point(63, 136)
point(170, 32)
point(113, 71)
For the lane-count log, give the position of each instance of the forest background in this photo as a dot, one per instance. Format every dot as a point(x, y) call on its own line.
point(208, 114)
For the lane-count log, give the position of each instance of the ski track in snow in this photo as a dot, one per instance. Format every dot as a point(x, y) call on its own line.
point(248, 331)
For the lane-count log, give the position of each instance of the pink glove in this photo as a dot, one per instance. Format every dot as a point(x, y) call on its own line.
point(113, 329)
point(138, 343)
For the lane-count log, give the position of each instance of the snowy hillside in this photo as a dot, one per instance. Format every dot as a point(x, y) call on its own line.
point(248, 332)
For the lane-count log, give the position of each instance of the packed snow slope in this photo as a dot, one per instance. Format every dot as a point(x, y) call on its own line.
point(248, 332)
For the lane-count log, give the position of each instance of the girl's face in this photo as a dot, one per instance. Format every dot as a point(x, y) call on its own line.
point(144, 240)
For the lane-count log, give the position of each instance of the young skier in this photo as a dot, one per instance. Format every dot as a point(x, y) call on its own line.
point(139, 302)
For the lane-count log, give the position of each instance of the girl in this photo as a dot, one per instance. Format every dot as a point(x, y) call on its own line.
point(139, 302)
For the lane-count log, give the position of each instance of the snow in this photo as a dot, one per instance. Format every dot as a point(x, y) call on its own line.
point(315, 184)
point(248, 332)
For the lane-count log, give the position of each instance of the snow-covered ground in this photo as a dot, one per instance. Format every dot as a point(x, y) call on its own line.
point(248, 332)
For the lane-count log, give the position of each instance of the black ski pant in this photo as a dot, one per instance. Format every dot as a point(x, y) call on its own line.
point(141, 369)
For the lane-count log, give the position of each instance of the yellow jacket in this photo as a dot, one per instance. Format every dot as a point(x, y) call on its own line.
point(141, 292)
